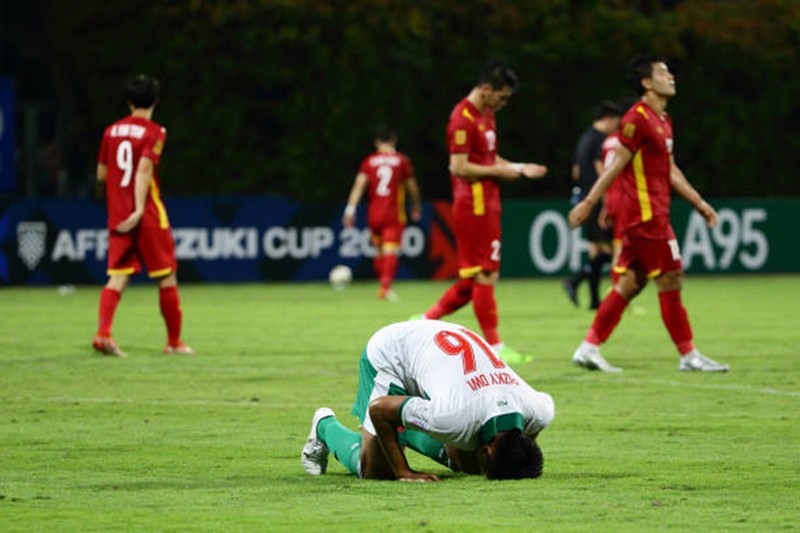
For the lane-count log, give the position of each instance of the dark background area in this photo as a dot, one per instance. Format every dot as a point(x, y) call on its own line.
point(282, 97)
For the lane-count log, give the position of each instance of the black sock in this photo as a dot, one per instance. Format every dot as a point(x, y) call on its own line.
point(596, 270)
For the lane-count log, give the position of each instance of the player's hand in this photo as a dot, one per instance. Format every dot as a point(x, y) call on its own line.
point(579, 213)
point(708, 213)
point(604, 219)
point(416, 214)
point(129, 223)
point(348, 221)
point(533, 171)
point(417, 477)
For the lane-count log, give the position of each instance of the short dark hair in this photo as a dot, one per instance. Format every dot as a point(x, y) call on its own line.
point(516, 456)
point(607, 108)
point(142, 91)
point(385, 133)
point(498, 75)
point(641, 67)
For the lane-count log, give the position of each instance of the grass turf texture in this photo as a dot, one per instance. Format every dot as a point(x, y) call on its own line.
point(211, 442)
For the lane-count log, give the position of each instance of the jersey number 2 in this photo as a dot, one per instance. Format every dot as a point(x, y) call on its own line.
point(384, 174)
point(458, 344)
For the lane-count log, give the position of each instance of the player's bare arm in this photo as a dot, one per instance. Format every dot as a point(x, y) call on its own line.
point(102, 172)
point(359, 186)
point(461, 166)
point(100, 184)
point(144, 174)
point(580, 212)
point(682, 186)
point(385, 415)
point(412, 189)
point(526, 170)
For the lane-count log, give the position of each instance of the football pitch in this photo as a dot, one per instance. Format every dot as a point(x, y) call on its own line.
point(211, 442)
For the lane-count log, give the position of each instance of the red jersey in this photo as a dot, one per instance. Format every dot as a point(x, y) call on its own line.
point(124, 143)
point(387, 173)
point(608, 152)
point(474, 133)
point(646, 187)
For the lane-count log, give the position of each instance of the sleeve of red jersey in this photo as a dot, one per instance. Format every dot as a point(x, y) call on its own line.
point(631, 128)
point(364, 167)
point(154, 146)
point(458, 135)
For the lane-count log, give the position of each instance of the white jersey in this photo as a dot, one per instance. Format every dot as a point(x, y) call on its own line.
point(462, 392)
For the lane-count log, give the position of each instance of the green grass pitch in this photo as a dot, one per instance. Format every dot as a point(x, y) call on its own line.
point(211, 442)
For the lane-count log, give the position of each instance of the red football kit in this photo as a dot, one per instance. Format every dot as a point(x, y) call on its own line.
point(387, 174)
point(124, 143)
point(476, 205)
point(648, 241)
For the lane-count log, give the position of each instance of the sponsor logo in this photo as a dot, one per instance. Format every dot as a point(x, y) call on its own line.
point(31, 239)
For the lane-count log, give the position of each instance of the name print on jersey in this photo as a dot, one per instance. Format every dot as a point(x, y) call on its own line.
point(494, 378)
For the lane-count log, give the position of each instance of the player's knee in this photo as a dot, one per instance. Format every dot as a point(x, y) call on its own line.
point(630, 285)
point(671, 281)
point(170, 280)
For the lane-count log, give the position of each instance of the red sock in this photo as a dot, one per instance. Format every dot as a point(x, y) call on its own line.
point(377, 265)
point(677, 321)
point(607, 317)
point(485, 307)
point(171, 311)
point(109, 298)
point(452, 300)
point(389, 270)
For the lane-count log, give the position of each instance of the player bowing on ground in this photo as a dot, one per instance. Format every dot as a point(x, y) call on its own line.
point(475, 172)
point(138, 227)
point(647, 168)
point(387, 175)
point(456, 401)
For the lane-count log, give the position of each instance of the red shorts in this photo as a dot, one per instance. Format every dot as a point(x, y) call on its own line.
point(477, 242)
point(152, 246)
point(389, 235)
point(650, 256)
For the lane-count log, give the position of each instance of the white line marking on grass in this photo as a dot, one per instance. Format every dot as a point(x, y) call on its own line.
point(67, 399)
point(743, 388)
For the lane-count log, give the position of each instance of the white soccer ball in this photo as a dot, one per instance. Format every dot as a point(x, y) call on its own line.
point(340, 277)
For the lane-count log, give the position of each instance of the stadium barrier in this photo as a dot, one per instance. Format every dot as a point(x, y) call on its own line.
point(226, 239)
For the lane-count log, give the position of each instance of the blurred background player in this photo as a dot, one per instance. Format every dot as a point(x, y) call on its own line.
point(138, 227)
point(587, 165)
point(388, 176)
point(649, 248)
point(476, 168)
point(456, 403)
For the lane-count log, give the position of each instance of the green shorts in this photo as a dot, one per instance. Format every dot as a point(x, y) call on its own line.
point(368, 389)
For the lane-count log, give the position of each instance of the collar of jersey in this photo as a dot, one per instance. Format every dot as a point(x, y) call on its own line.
point(499, 423)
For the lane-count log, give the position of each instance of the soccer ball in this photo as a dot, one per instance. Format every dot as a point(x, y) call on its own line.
point(340, 276)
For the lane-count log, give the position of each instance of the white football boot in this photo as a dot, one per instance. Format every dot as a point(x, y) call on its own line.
point(588, 356)
point(694, 361)
point(314, 456)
